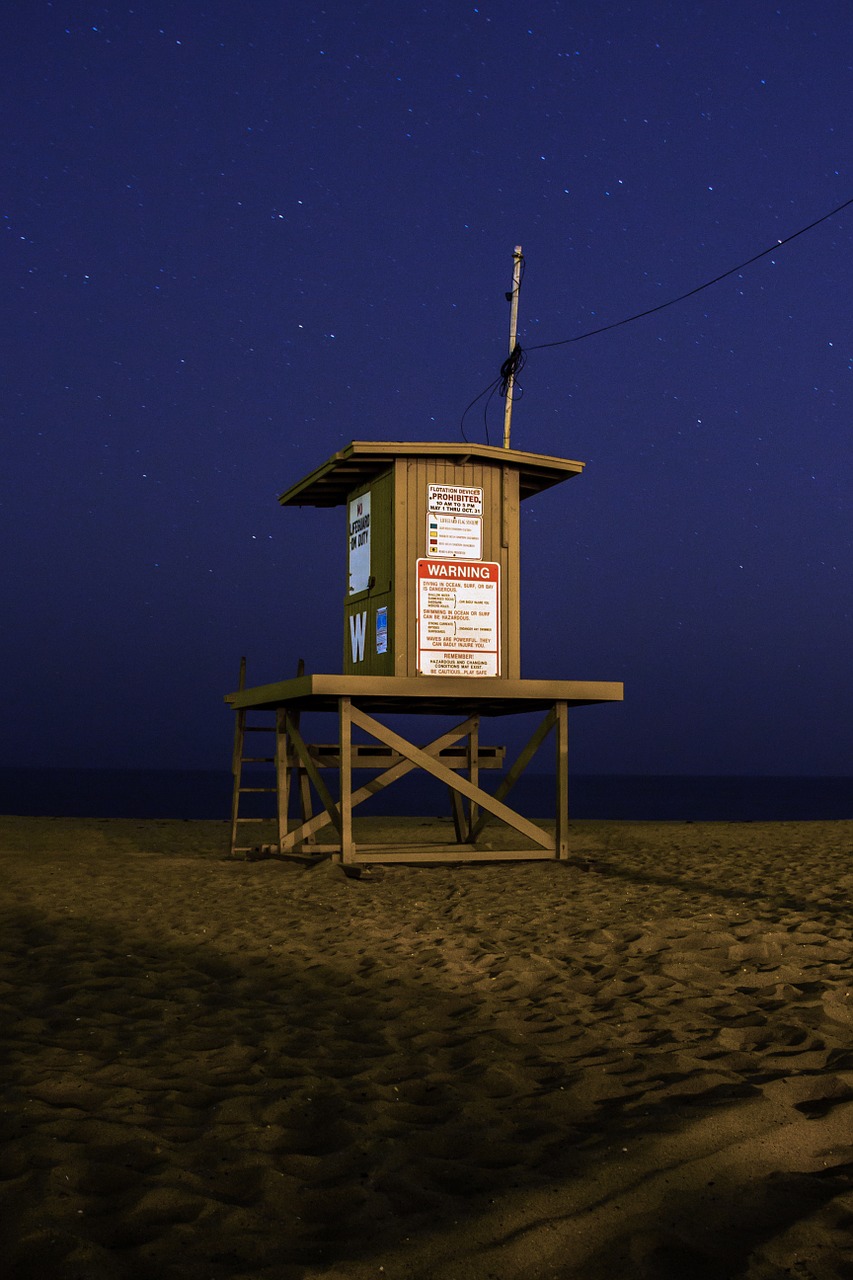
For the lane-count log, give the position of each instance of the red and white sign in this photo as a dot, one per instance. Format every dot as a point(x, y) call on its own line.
point(458, 618)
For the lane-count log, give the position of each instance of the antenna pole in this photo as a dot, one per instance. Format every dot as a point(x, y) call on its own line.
point(517, 260)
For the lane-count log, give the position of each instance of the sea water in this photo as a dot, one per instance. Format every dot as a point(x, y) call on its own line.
point(187, 794)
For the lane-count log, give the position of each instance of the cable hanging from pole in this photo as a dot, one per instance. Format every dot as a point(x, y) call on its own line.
point(510, 369)
point(505, 382)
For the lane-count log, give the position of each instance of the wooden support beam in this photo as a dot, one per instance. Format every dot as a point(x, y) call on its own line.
point(457, 808)
point(282, 774)
point(562, 833)
point(306, 808)
point(473, 774)
point(309, 828)
point(517, 768)
point(449, 853)
point(345, 721)
point(440, 771)
point(313, 772)
point(461, 822)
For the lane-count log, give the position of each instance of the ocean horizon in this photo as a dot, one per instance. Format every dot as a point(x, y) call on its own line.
point(206, 794)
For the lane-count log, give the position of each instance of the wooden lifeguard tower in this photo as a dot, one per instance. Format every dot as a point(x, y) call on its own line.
point(431, 623)
point(431, 626)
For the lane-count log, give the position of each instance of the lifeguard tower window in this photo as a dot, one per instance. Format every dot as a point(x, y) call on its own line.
point(432, 553)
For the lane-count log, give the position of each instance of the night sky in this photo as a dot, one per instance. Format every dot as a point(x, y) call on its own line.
point(239, 236)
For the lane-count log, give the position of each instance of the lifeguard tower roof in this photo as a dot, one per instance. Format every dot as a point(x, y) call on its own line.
point(362, 461)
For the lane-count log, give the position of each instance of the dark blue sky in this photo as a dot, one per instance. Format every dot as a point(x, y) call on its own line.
point(237, 237)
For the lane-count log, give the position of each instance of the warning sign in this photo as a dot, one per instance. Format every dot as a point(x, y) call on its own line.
point(455, 499)
point(458, 618)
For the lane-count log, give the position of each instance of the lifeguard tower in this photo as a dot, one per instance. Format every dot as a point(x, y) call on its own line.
point(431, 626)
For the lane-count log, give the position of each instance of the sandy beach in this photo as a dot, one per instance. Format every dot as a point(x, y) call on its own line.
point(635, 1064)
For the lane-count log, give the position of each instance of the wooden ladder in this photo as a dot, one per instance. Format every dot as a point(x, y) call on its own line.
point(238, 759)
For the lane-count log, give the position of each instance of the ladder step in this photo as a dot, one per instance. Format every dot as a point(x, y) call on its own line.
point(239, 760)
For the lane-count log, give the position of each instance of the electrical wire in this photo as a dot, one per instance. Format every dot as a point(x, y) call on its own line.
point(518, 355)
point(541, 346)
point(489, 391)
point(511, 368)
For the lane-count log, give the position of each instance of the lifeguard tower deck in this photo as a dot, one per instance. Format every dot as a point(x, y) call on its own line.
point(431, 627)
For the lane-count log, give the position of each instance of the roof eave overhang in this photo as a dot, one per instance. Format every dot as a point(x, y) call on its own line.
point(330, 484)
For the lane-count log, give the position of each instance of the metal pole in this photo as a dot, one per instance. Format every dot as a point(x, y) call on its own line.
point(513, 331)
